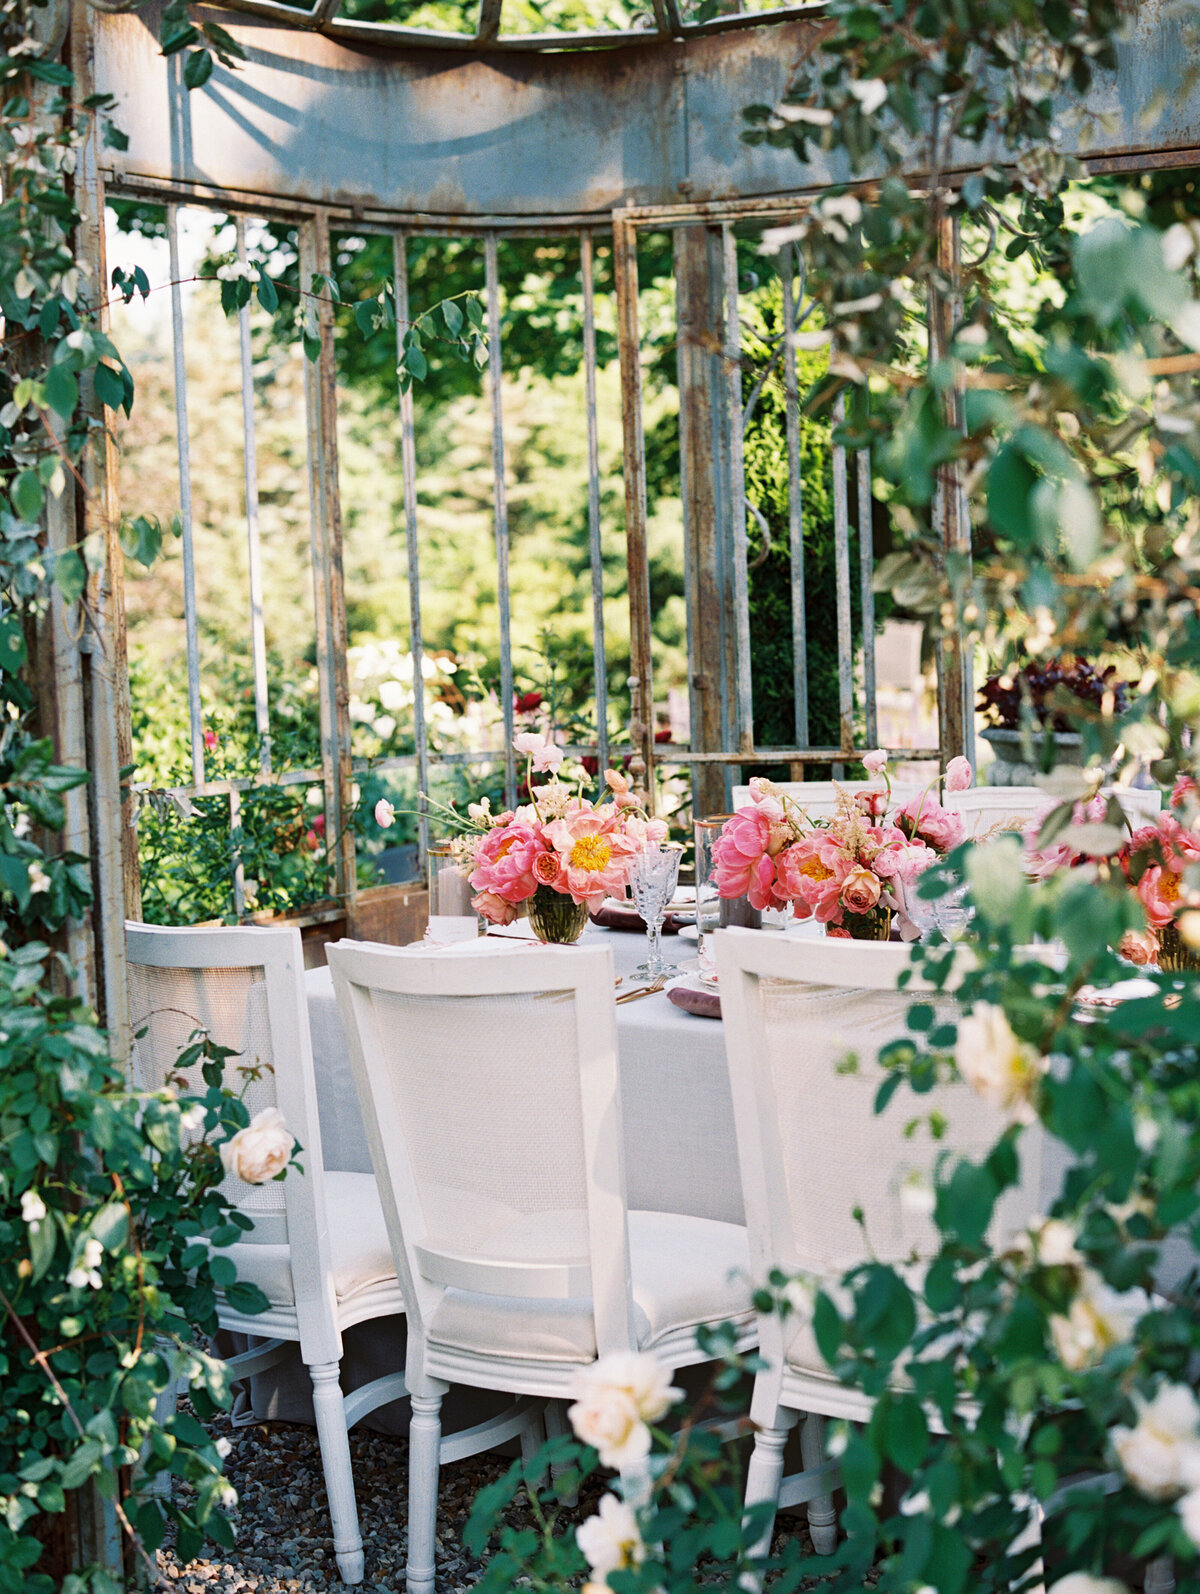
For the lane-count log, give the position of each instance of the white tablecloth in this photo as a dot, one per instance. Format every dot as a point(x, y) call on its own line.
point(680, 1147)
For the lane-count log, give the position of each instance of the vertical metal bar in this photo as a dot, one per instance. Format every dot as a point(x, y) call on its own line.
point(329, 596)
point(956, 707)
point(191, 625)
point(641, 684)
point(737, 482)
point(258, 647)
point(500, 511)
point(416, 639)
point(599, 652)
point(235, 848)
point(841, 546)
point(866, 565)
point(795, 502)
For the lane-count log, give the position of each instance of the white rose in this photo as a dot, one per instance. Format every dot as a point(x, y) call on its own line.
point(870, 93)
point(223, 1447)
point(638, 1375)
point(1161, 1455)
point(801, 1296)
point(1085, 1583)
point(1004, 1070)
point(260, 1152)
point(1055, 1242)
point(191, 1120)
point(1189, 1513)
point(608, 1420)
point(612, 1540)
point(86, 1271)
point(39, 880)
point(1099, 1319)
point(33, 1209)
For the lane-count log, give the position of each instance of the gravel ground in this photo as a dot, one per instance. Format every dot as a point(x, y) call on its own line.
point(282, 1525)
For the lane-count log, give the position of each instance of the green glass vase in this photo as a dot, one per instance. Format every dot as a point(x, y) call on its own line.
point(556, 917)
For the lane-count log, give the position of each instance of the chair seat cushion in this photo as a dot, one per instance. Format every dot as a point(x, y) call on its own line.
point(360, 1255)
point(686, 1271)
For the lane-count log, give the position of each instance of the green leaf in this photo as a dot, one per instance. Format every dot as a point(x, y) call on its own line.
point(415, 361)
point(268, 295)
point(110, 388)
point(452, 316)
point(197, 69)
point(62, 391)
point(246, 1298)
point(12, 643)
point(28, 495)
point(365, 312)
point(70, 574)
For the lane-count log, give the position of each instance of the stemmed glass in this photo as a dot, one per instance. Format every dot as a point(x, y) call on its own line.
point(653, 876)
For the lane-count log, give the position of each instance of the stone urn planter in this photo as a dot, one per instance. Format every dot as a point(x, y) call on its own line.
point(1009, 767)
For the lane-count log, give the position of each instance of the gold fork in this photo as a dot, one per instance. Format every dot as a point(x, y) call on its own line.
point(645, 990)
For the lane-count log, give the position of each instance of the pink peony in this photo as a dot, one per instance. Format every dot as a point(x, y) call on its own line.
point(836, 931)
point(644, 832)
point(742, 862)
point(1159, 890)
point(1139, 947)
point(875, 763)
point(592, 852)
point(903, 860)
point(924, 819)
point(959, 774)
point(811, 873)
point(494, 908)
point(1185, 788)
point(860, 891)
point(504, 861)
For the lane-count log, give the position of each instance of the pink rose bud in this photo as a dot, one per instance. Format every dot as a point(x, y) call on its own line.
point(875, 763)
point(959, 774)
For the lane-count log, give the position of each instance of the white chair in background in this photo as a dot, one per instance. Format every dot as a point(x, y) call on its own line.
point(489, 1090)
point(812, 1150)
point(991, 808)
point(319, 1247)
point(818, 798)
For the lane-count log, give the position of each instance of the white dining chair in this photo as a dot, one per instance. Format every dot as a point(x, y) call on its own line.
point(319, 1247)
point(489, 1090)
point(818, 798)
point(823, 1176)
point(989, 809)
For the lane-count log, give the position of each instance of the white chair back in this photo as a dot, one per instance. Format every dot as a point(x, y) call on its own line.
point(488, 1086)
point(244, 986)
point(818, 798)
point(811, 1146)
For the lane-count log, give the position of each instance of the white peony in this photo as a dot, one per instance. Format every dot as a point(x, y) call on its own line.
point(1085, 1583)
point(612, 1539)
point(260, 1152)
point(1161, 1455)
point(33, 1209)
point(1099, 1318)
point(1189, 1515)
point(1004, 1070)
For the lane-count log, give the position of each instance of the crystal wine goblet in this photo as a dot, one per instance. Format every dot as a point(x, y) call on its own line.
point(653, 876)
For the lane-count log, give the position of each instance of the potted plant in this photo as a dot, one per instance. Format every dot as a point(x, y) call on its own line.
point(1023, 711)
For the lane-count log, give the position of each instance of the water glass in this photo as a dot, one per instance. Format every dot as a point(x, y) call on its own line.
point(708, 900)
point(653, 876)
point(451, 916)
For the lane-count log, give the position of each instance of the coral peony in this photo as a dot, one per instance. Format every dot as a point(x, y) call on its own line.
point(593, 853)
point(1185, 789)
point(811, 873)
point(494, 908)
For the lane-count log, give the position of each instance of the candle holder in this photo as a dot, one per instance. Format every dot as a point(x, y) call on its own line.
point(451, 916)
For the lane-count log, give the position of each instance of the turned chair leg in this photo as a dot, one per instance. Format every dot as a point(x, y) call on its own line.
point(424, 1442)
point(822, 1517)
point(533, 1437)
point(334, 1440)
point(1160, 1576)
point(765, 1472)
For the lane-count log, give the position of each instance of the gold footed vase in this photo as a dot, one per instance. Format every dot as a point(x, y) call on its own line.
point(1174, 954)
point(873, 926)
point(556, 917)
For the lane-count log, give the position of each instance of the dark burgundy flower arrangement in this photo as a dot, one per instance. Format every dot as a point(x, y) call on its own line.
point(1002, 696)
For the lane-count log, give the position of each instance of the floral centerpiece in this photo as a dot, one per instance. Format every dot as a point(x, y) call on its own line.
point(1159, 861)
point(849, 871)
point(557, 856)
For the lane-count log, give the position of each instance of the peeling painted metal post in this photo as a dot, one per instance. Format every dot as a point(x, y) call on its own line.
point(641, 690)
point(416, 639)
point(952, 522)
point(329, 597)
point(743, 686)
point(191, 623)
point(500, 502)
point(795, 506)
point(595, 543)
point(235, 852)
point(703, 465)
point(262, 713)
point(841, 548)
point(866, 565)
